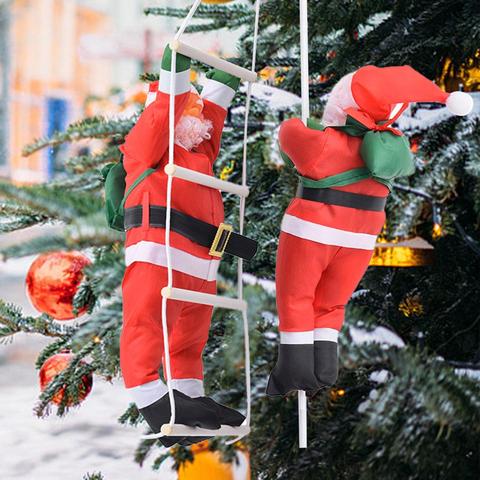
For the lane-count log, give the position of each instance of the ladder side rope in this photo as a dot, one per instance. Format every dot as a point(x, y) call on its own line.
point(302, 398)
point(246, 332)
point(171, 143)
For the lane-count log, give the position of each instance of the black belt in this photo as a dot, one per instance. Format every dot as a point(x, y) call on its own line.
point(219, 239)
point(341, 198)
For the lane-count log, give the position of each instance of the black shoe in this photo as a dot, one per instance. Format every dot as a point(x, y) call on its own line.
point(294, 370)
point(326, 364)
point(226, 415)
point(188, 411)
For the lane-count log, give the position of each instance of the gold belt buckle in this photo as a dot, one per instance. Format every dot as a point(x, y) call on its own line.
point(221, 239)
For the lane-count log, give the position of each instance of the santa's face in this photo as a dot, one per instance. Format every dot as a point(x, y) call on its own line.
point(193, 128)
point(339, 100)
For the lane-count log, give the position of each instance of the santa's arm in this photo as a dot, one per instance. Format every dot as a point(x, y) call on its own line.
point(297, 143)
point(217, 94)
point(147, 142)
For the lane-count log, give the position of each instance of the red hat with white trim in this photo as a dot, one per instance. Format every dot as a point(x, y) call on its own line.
point(376, 90)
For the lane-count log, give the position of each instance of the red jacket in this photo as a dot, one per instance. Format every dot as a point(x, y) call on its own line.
point(318, 154)
point(146, 146)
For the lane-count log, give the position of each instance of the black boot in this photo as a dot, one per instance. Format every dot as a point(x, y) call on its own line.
point(188, 411)
point(326, 362)
point(226, 415)
point(294, 370)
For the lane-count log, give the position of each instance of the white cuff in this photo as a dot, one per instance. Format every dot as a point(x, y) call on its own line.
point(148, 393)
point(326, 335)
point(296, 338)
point(182, 82)
point(193, 387)
point(218, 93)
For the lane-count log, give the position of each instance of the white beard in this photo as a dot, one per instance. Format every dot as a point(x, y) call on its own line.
point(192, 131)
point(339, 99)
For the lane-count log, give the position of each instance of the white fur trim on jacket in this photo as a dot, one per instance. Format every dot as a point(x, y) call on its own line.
point(184, 262)
point(327, 235)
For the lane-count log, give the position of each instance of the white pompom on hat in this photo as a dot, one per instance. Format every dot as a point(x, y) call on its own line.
point(459, 103)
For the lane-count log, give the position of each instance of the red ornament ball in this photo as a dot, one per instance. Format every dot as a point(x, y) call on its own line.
point(52, 282)
point(55, 365)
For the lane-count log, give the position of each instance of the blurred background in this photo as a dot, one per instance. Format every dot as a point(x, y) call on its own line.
point(62, 60)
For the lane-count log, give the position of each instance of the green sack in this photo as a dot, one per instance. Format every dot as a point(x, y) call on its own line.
point(114, 175)
point(386, 155)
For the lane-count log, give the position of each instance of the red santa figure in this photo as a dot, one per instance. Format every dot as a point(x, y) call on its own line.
point(197, 212)
point(329, 230)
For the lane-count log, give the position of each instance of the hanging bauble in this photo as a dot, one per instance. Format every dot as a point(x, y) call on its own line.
point(413, 252)
point(55, 365)
point(207, 465)
point(52, 282)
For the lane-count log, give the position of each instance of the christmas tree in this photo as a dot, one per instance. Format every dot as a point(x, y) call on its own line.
point(405, 405)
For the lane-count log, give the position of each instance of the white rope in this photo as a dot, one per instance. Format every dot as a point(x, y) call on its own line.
point(171, 151)
point(246, 332)
point(187, 19)
point(302, 398)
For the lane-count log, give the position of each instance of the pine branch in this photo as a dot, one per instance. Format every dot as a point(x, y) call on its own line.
point(53, 201)
point(15, 216)
point(35, 246)
point(95, 127)
point(85, 163)
point(93, 476)
point(203, 12)
point(57, 346)
point(12, 321)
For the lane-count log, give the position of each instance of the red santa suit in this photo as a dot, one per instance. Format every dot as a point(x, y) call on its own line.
point(325, 247)
point(146, 146)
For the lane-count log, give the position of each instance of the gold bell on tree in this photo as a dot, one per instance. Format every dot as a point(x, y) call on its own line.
point(412, 252)
point(464, 77)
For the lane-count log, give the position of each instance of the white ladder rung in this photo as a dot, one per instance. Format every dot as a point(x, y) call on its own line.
point(206, 180)
point(204, 298)
point(179, 430)
point(213, 61)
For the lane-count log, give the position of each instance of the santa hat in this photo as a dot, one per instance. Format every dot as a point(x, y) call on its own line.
point(194, 104)
point(377, 90)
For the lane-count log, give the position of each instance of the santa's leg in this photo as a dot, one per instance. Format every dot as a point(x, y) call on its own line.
point(338, 282)
point(190, 334)
point(300, 264)
point(141, 350)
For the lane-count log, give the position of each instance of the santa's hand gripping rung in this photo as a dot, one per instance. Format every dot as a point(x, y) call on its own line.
point(173, 293)
point(179, 430)
point(206, 180)
point(213, 61)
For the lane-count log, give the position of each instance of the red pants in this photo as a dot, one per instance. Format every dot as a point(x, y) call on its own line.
point(141, 345)
point(315, 282)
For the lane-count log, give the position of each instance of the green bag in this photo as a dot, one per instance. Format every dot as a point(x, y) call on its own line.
point(114, 175)
point(387, 156)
